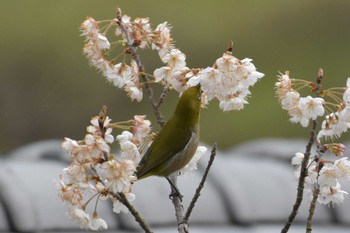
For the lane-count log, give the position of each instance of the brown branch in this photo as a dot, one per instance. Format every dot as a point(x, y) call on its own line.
point(200, 186)
point(163, 95)
point(304, 164)
point(144, 78)
point(316, 190)
point(303, 174)
point(312, 209)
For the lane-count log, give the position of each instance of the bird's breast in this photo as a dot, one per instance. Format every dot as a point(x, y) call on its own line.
point(183, 157)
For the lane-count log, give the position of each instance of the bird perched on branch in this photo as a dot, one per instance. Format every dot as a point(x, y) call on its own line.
point(177, 141)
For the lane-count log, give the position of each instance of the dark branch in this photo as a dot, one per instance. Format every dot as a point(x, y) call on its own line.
point(201, 185)
point(304, 164)
point(163, 95)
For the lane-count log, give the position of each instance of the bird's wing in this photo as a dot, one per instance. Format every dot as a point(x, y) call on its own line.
point(163, 148)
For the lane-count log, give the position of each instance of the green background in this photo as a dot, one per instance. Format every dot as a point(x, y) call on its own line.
point(48, 90)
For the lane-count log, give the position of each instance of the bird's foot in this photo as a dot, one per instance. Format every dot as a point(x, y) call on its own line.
point(175, 193)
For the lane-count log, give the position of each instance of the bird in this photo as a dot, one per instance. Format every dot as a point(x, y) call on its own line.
point(176, 142)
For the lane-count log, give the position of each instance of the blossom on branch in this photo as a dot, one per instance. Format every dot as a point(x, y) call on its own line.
point(137, 33)
point(335, 123)
point(327, 179)
point(228, 80)
point(96, 173)
point(331, 195)
point(132, 83)
point(161, 39)
point(300, 109)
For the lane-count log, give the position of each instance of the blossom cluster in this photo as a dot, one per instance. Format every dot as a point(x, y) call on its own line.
point(228, 80)
point(326, 177)
point(300, 109)
point(96, 173)
point(304, 109)
point(137, 32)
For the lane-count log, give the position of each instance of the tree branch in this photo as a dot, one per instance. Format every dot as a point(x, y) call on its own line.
point(304, 164)
point(316, 190)
point(163, 95)
point(201, 185)
point(303, 174)
point(312, 209)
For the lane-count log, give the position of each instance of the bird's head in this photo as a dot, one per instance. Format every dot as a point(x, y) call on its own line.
point(189, 104)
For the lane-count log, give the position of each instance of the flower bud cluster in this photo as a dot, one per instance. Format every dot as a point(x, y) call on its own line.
point(96, 173)
point(326, 177)
point(300, 109)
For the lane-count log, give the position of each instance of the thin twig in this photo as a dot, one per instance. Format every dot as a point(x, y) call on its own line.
point(304, 164)
point(144, 78)
point(303, 174)
point(316, 190)
point(163, 95)
point(312, 209)
point(201, 185)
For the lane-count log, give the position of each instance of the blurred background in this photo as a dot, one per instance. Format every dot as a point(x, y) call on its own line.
point(48, 90)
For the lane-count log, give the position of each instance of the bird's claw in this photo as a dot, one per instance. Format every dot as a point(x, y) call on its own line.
point(175, 194)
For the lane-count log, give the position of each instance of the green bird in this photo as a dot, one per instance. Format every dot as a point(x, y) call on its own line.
point(176, 142)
